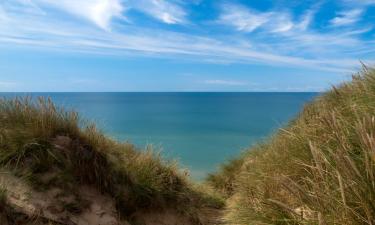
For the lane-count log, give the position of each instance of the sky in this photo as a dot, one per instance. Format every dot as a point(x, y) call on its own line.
point(177, 45)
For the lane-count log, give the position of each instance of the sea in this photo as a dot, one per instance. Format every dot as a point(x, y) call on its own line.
point(199, 130)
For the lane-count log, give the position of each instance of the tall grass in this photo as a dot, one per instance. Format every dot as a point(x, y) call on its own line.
point(37, 138)
point(318, 170)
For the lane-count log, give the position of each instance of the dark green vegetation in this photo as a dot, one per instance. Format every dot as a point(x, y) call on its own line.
point(47, 147)
point(320, 169)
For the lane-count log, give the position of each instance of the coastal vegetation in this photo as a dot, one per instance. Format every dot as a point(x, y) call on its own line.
point(320, 169)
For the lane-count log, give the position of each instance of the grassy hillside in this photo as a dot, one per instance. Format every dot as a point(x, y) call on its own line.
point(52, 150)
point(320, 169)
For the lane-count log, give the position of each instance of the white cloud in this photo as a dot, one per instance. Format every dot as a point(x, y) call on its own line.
point(242, 18)
point(65, 37)
point(226, 82)
point(281, 23)
point(167, 12)
point(306, 20)
point(248, 20)
point(283, 35)
point(100, 12)
point(336, 51)
point(347, 17)
point(7, 86)
point(359, 2)
point(3, 15)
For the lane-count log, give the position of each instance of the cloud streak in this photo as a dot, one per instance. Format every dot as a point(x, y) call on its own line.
point(242, 18)
point(7, 86)
point(162, 10)
point(279, 39)
point(362, 2)
point(226, 82)
point(248, 20)
point(347, 17)
point(99, 12)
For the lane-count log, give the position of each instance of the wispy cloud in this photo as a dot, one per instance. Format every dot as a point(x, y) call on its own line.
point(167, 12)
point(242, 18)
point(281, 40)
point(347, 17)
point(361, 2)
point(7, 86)
point(100, 12)
point(282, 22)
point(226, 82)
point(306, 20)
point(248, 20)
point(3, 15)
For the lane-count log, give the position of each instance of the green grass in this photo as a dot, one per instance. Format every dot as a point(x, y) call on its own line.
point(38, 139)
point(320, 169)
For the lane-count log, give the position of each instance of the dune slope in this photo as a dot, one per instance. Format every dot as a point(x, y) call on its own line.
point(320, 169)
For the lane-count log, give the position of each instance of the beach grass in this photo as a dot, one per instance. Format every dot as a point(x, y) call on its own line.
point(320, 169)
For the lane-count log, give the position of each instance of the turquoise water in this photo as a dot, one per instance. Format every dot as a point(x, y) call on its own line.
point(201, 130)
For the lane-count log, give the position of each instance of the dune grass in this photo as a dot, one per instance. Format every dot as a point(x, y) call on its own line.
point(320, 169)
point(38, 138)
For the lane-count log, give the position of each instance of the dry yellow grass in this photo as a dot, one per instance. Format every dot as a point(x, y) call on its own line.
point(320, 169)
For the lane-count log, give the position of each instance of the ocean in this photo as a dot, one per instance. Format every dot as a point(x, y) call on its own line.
point(200, 130)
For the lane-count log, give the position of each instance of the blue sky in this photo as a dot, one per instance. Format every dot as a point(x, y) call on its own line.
point(176, 45)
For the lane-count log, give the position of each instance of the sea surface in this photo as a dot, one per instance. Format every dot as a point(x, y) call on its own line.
point(200, 130)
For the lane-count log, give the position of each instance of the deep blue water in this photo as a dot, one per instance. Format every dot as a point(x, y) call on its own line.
point(201, 130)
